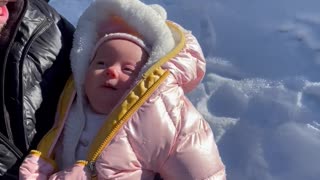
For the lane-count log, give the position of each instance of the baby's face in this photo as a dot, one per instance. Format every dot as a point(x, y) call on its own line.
point(111, 73)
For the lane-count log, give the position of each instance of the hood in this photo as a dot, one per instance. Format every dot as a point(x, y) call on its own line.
point(148, 20)
point(172, 47)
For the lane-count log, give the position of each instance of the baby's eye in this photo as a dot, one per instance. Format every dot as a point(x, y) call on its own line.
point(100, 63)
point(128, 69)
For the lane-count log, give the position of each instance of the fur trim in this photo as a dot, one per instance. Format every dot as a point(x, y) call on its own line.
point(148, 21)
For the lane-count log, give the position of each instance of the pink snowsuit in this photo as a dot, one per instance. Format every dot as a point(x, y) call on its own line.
point(155, 129)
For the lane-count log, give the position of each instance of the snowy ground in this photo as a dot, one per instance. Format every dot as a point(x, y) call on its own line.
point(261, 93)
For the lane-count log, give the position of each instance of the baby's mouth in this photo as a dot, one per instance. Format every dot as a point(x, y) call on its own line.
point(109, 86)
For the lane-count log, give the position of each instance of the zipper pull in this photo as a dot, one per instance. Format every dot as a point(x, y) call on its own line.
point(92, 167)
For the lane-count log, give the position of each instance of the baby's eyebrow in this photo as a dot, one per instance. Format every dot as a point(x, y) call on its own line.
point(130, 63)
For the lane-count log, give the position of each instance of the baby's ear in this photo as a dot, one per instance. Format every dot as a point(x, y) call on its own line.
point(160, 10)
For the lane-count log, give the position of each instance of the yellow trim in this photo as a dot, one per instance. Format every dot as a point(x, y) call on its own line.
point(48, 160)
point(82, 162)
point(87, 164)
point(35, 153)
point(65, 99)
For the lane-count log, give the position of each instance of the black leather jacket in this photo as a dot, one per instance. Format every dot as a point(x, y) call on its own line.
point(34, 66)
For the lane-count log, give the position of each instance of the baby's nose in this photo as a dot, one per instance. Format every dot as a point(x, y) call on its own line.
point(111, 72)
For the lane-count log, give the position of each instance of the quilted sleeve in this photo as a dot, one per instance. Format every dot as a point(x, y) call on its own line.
point(194, 154)
point(36, 167)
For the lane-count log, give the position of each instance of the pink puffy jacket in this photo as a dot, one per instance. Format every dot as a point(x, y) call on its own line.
point(155, 129)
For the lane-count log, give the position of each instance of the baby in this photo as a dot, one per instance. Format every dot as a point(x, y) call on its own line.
point(124, 113)
point(116, 64)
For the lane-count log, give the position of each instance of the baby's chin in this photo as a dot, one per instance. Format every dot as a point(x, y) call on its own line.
point(104, 109)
